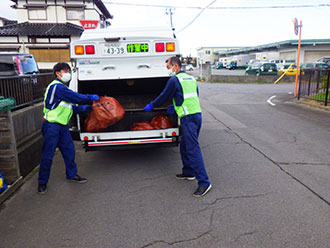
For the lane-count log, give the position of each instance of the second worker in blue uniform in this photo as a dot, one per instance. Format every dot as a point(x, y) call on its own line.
point(183, 91)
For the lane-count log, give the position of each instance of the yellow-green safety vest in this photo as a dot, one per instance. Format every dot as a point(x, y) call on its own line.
point(62, 113)
point(190, 103)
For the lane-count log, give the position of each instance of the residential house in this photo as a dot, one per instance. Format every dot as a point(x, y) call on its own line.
point(45, 28)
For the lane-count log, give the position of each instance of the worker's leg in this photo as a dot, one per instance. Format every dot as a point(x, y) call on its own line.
point(191, 125)
point(186, 170)
point(67, 149)
point(50, 133)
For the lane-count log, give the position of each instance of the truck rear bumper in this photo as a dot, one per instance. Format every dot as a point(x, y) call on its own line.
point(130, 139)
point(129, 144)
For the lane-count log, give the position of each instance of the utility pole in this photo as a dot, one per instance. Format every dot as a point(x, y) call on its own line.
point(297, 29)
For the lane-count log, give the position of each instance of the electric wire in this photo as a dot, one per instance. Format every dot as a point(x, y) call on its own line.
point(222, 7)
point(194, 19)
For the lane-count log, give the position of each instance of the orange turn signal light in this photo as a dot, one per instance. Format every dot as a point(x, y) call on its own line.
point(79, 50)
point(170, 47)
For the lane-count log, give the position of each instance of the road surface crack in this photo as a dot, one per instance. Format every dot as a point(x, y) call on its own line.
point(244, 234)
point(237, 197)
point(272, 161)
point(302, 163)
point(185, 240)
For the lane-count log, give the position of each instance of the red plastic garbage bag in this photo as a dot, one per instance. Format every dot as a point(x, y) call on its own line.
point(107, 111)
point(161, 122)
point(142, 126)
point(91, 124)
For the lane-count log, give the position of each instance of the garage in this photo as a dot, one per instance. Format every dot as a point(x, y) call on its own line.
point(313, 55)
point(288, 56)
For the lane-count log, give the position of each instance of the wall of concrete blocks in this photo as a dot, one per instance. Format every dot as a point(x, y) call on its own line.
point(20, 142)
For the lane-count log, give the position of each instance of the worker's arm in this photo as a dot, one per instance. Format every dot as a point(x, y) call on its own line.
point(64, 93)
point(79, 109)
point(168, 93)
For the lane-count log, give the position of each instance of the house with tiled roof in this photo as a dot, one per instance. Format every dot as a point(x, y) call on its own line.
point(45, 28)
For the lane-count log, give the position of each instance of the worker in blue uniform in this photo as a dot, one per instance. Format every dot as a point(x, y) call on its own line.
point(59, 106)
point(183, 90)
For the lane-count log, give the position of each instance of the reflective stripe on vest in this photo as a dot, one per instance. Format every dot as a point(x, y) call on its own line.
point(190, 103)
point(62, 113)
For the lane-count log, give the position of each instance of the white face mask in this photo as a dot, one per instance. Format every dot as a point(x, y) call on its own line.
point(66, 77)
point(170, 72)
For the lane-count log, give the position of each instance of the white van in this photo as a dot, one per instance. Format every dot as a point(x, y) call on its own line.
point(129, 65)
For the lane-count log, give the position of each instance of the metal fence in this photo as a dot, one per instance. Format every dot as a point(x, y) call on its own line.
point(314, 84)
point(26, 90)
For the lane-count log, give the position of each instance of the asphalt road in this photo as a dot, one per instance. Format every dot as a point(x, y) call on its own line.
point(269, 166)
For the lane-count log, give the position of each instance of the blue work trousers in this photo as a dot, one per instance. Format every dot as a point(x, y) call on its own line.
point(191, 155)
point(56, 135)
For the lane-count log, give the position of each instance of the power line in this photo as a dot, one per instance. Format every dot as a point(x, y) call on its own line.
point(191, 22)
point(222, 7)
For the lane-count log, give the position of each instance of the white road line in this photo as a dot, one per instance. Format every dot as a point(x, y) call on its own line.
point(270, 100)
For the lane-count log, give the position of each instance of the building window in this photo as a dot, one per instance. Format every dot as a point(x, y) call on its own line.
point(75, 14)
point(37, 14)
point(207, 52)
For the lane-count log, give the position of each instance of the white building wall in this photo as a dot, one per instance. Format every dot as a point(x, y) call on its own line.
point(8, 39)
point(56, 14)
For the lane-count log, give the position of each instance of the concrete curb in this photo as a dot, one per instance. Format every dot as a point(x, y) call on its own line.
point(16, 185)
point(313, 104)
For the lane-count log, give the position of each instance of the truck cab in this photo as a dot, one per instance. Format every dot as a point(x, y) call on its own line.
point(129, 65)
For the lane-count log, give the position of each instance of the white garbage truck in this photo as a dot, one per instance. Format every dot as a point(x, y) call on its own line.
point(129, 65)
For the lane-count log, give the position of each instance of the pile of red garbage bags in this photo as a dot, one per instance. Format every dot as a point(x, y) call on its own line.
point(158, 122)
point(106, 112)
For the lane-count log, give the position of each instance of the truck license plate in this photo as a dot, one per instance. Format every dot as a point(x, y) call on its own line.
point(113, 49)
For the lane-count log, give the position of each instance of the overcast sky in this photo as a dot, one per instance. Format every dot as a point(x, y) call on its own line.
point(220, 27)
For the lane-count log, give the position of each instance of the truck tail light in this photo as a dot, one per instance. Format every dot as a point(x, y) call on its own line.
point(170, 47)
point(90, 49)
point(160, 47)
point(79, 50)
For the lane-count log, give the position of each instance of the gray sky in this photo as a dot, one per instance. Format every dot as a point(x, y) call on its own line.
point(220, 27)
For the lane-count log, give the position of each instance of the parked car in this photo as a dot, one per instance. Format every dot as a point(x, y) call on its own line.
point(189, 67)
point(324, 60)
point(17, 64)
point(313, 65)
point(254, 61)
point(289, 69)
point(232, 65)
point(218, 66)
point(261, 69)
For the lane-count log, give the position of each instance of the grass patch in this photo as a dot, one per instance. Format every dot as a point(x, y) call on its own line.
point(321, 96)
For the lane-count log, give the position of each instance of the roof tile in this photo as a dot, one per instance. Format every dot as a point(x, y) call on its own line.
point(42, 29)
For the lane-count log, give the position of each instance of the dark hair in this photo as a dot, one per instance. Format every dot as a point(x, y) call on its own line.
point(174, 60)
point(61, 66)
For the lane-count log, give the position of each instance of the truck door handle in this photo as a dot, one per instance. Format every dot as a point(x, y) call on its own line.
point(143, 66)
point(109, 67)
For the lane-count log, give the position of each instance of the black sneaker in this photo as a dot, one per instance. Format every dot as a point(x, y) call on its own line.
point(42, 189)
point(184, 177)
point(201, 191)
point(78, 179)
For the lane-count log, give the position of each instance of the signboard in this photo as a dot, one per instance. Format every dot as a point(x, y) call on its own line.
point(138, 48)
point(89, 24)
point(295, 24)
